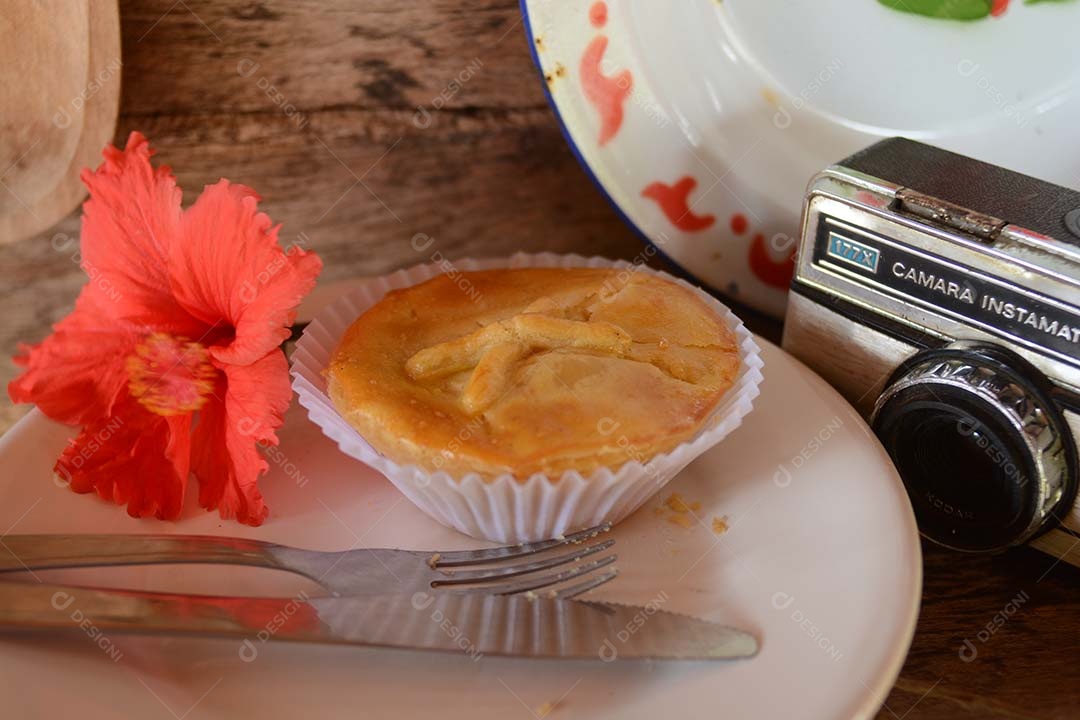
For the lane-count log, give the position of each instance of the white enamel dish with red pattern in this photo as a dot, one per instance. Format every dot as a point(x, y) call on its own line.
point(703, 120)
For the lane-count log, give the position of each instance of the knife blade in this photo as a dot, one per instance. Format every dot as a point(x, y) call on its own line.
point(472, 624)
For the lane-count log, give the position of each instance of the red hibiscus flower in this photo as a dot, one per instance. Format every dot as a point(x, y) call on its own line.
point(171, 359)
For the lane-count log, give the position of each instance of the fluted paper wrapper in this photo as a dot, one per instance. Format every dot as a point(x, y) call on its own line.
point(506, 509)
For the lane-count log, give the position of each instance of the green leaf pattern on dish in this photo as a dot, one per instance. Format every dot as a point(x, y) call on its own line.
point(950, 9)
point(956, 9)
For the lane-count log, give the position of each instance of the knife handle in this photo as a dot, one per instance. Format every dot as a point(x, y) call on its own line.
point(32, 606)
point(39, 552)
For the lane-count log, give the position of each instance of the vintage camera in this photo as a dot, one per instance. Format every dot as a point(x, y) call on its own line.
point(941, 296)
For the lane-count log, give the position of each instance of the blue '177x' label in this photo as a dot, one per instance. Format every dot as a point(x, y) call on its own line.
point(853, 253)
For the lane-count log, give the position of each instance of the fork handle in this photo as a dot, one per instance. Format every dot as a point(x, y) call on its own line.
point(40, 552)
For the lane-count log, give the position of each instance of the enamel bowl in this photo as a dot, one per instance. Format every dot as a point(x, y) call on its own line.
point(702, 121)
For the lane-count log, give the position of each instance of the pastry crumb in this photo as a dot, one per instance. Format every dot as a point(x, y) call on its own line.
point(434, 560)
point(676, 503)
point(720, 525)
point(680, 510)
point(530, 595)
point(546, 709)
point(681, 521)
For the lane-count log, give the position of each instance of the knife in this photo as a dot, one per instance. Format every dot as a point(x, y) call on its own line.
point(474, 625)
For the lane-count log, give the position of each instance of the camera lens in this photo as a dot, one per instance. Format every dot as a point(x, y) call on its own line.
point(984, 453)
point(968, 481)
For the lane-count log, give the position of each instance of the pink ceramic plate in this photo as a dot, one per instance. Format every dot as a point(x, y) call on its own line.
point(821, 560)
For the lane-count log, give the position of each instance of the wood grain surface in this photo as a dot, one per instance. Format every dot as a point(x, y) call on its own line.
point(317, 104)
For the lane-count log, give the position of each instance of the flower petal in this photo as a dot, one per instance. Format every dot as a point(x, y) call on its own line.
point(129, 223)
point(230, 268)
point(133, 458)
point(76, 374)
point(226, 457)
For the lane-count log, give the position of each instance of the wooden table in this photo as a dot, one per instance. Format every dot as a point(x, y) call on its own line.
point(314, 103)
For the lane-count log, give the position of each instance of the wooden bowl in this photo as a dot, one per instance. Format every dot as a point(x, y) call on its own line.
point(61, 90)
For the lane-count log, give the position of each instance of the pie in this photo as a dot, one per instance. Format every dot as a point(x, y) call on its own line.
point(536, 370)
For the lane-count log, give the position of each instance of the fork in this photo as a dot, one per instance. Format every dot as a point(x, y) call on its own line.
point(503, 570)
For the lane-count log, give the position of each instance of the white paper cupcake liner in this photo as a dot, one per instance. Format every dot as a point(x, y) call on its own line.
point(506, 509)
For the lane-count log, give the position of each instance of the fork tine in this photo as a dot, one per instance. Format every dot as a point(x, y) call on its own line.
point(506, 552)
point(585, 586)
point(542, 581)
point(472, 576)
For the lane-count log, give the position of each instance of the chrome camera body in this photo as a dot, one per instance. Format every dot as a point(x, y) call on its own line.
point(941, 296)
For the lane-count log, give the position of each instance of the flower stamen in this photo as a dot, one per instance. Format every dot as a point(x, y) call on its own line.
point(169, 375)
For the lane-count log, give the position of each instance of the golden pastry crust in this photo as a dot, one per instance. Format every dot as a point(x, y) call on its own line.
point(533, 370)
